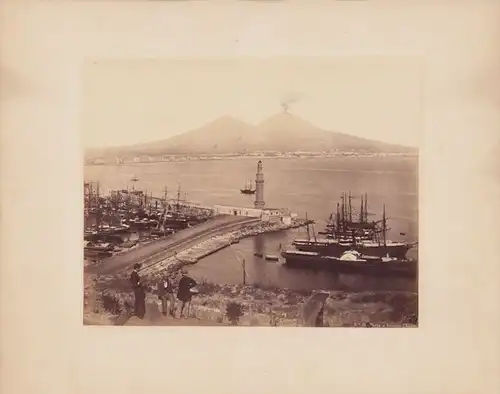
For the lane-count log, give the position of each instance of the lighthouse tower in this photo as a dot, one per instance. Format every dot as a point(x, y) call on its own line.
point(259, 187)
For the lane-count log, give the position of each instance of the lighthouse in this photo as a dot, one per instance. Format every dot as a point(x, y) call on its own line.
point(259, 187)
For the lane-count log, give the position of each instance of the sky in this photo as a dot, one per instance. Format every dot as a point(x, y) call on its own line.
point(134, 101)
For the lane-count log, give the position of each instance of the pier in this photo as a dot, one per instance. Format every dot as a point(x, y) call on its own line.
point(162, 249)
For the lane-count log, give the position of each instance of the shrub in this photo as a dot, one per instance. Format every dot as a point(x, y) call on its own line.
point(111, 304)
point(206, 287)
point(234, 311)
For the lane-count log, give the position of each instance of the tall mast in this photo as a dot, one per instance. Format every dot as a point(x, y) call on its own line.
point(178, 196)
point(362, 212)
point(85, 195)
point(384, 228)
point(366, 208)
point(338, 218)
point(314, 232)
point(350, 207)
point(342, 209)
point(308, 232)
point(165, 196)
point(98, 207)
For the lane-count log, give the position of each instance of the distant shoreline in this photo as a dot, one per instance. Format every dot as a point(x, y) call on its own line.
point(202, 157)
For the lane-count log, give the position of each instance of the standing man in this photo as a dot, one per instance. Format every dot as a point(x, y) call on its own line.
point(166, 294)
point(184, 293)
point(139, 293)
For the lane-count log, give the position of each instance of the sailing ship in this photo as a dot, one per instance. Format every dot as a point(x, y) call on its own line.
point(247, 189)
point(342, 223)
point(343, 233)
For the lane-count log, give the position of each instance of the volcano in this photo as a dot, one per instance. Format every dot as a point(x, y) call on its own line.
point(282, 132)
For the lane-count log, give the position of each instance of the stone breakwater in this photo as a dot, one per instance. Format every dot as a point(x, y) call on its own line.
point(189, 255)
point(203, 249)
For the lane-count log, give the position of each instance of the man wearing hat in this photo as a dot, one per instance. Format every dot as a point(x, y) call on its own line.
point(184, 293)
point(166, 294)
point(139, 293)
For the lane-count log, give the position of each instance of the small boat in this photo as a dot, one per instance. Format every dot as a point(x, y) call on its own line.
point(97, 248)
point(162, 232)
point(271, 257)
point(175, 221)
point(128, 244)
point(248, 189)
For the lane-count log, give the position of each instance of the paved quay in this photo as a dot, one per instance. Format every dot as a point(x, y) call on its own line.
point(166, 247)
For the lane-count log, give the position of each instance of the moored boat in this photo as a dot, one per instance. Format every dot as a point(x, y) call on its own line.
point(335, 248)
point(347, 234)
point(97, 248)
point(351, 262)
point(162, 232)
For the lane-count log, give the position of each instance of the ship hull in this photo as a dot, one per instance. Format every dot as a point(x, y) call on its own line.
point(335, 250)
point(176, 224)
point(96, 252)
point(401, 268)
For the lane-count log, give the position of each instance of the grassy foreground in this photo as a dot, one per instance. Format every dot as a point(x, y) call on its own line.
point(109, 302)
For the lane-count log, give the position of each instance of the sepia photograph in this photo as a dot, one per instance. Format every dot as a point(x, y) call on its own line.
point(304, 172)
point(276, 192)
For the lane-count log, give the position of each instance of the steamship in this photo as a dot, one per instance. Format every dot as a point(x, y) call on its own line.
point(351, 261)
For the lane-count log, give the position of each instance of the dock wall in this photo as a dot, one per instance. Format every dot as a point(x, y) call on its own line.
point(163, 248)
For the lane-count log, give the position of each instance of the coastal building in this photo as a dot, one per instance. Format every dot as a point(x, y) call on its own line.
point(282, 215)
point(237, 211)
point(259, 187)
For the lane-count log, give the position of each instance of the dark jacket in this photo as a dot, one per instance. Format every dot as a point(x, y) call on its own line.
point(165, 287)
point(185, 285)
point(135, 280)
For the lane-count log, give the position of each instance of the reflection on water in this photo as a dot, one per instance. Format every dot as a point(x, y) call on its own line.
point(259, 244)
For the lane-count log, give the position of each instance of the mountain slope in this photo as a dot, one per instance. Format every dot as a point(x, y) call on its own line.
point(223, 135)
point(285, 132)
point(282, 132)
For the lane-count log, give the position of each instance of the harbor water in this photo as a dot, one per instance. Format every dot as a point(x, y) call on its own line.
point(309, 186)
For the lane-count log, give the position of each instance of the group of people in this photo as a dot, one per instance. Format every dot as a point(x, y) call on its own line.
point(166, 292)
